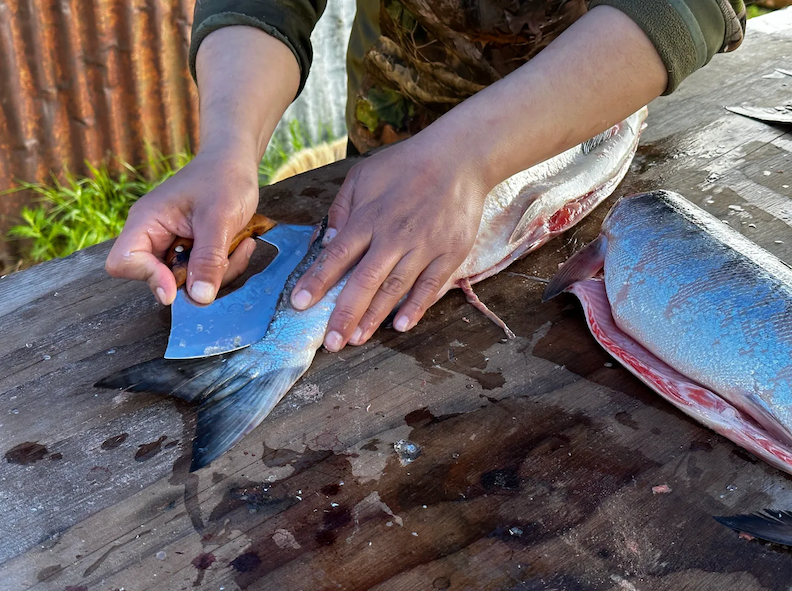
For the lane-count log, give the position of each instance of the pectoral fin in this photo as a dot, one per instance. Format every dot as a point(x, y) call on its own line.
point(584, 264)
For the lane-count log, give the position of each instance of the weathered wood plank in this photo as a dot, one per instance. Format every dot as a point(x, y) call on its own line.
point(538, 455)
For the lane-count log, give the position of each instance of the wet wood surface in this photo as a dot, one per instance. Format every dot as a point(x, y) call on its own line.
point(537, 456)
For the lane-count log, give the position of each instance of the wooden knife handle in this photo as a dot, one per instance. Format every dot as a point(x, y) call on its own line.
point(179, 252)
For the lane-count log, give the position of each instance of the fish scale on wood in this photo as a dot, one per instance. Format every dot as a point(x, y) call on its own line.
point(237, 391)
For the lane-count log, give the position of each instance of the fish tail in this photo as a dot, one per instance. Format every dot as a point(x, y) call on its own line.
point(584, 264)
point(234, 394)
point(769, 524)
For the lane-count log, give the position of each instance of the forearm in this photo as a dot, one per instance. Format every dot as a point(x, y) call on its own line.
point(598, 72)
point(246, 79)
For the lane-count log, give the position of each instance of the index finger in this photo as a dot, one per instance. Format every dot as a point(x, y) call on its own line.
point(344, 251)
point(132, 256)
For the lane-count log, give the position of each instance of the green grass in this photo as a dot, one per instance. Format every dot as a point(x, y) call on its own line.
point(83, 210)
point(754, 10)
point(78, 211)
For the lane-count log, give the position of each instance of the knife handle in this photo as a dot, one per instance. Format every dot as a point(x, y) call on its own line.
point(179, 252)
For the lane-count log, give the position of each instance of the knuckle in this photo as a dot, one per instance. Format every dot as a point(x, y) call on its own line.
point(209, 257)
point(335, 253)
point(393, 286)
point(339, 207)
point(317, 278)
point(428, 286)
point(368, 278)
point(344, 317)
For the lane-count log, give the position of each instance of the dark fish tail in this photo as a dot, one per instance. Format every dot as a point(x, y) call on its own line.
point(770, 525)
point(233, 394)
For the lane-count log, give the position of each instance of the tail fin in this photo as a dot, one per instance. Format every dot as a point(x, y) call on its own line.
point(770, 525)
point(234, 394)
point(584, 264)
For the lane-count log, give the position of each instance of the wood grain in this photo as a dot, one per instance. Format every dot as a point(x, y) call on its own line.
point(538, 455)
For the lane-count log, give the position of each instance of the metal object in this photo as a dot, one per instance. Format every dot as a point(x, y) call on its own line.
point(782, 114)
point(242, 317)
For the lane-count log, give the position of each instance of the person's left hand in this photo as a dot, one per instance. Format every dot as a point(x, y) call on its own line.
point(408, 216)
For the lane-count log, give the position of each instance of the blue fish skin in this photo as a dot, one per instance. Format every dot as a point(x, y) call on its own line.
point(704, 299)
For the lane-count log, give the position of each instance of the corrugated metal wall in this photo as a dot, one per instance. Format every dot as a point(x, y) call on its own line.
point(80, 79)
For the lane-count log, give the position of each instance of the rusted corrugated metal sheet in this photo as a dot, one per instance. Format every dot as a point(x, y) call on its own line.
point(81, 79)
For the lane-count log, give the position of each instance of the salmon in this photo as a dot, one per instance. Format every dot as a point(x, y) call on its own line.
point(236, 391)
point(696, 311)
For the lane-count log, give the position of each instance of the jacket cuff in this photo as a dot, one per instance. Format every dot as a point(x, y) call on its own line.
point(289, 21)
point(686, 33)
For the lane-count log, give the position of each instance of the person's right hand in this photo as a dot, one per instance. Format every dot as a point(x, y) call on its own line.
point(209, 200)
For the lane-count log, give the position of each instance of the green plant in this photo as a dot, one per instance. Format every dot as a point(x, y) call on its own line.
point(83, 210)
point(753, 10)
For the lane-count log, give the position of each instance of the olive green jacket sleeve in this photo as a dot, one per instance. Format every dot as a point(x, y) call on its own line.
point(290, 21)
point(686, 33)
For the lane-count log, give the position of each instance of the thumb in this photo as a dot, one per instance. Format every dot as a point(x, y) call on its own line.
point(208, 262)
point(338, 215)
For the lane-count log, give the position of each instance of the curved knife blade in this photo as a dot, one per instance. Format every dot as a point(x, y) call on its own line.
point(242, 317)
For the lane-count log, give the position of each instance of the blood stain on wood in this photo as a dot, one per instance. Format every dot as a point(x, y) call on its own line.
point(149, 450)
point(700, 446)
point(330, 490)
point(624, 418)
point(334, 519)
point(26, 453)
point(419, 418)
point(276, 458)
point(504, 478)
point(114, 442)
point(247, 562)
point(203, 561)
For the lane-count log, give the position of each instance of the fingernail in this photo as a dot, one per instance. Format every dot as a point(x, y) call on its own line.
point(251, 249)
point(329, 234)
point(161, 296)
point(401, 323)
point(301, 300)
point(202, 292)
point(357, 336)
point(333, 341)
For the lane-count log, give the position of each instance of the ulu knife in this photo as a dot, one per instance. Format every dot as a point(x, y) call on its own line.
point(242, 317)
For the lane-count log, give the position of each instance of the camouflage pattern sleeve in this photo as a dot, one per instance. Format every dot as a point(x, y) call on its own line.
point(686, 33)
point(290, 21)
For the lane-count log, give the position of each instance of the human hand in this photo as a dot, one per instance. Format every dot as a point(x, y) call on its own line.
point(209, 200)
point(408, 216)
